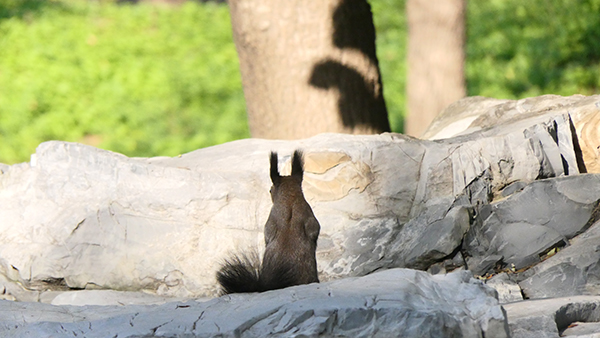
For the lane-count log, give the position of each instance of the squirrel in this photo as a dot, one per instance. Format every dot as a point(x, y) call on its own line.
point(291, 234)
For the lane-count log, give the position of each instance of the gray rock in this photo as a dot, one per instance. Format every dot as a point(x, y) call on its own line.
point(574, 270)
point(523, 227)
point(481, 265)
point(533, 327)
point(508, 290)
point(552, 317)
point(474, 114)
point(396, 302)
point(512, 188)
point(426, 240)
point(583, 330)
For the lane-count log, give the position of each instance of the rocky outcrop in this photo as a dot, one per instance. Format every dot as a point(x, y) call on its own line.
point(477, 113)
point(80, 217)
point(573, 271)
point(397, 302)
point(577, 316)
point(505, 189)
point(520, 230)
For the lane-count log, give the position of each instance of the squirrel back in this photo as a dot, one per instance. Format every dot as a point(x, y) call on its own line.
point(291, 234)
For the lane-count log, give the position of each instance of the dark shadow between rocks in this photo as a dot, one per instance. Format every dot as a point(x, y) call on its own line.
point(577, 148)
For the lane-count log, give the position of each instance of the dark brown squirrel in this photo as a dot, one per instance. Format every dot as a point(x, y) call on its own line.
point(291, 234)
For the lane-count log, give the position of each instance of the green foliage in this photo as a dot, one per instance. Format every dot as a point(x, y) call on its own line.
point(515, 49)
point(140, 80)
point(526, 48)
point(390, 25)
point(156, 80)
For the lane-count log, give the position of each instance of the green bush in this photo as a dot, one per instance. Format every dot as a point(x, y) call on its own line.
point(136, 79)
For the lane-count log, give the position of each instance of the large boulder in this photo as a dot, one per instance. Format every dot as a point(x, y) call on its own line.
point(495, 190)
point(477, 113)
point(81, 217)
point(576, 316)
point(574, 270)
point(520, 230)
point(397, 302)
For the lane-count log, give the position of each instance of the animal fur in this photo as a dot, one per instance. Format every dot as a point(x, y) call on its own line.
point(291, 234)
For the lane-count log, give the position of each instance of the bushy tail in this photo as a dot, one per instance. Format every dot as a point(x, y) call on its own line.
point(240, 274)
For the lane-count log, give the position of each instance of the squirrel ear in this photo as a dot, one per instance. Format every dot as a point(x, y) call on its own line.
point(275, 177)
point(297, 164)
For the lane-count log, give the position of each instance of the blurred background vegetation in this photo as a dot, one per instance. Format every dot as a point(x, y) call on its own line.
point(149, 80)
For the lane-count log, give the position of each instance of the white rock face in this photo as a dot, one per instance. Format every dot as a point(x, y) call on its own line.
point(80, 217)
point(477, 113)
point(397, 302)
point(107, 297)
point(77, 217)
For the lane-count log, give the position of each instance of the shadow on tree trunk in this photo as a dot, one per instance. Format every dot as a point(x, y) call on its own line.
point(357, 96)
point(361, 101)
point(353, 28)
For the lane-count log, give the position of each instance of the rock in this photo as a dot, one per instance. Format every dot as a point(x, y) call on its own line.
point(77, 217)
point(473, 114)
point(523, 227)
point(587, 127)
point(107, 297)
point(395, 302)
point(508, 290)
point(456, 263)
point(582, 330)
point(512, 188)
point(530, 327)
point(457, 118)
point(575, 270)
point(425, 240)
point(552, 317)
point(501, 194)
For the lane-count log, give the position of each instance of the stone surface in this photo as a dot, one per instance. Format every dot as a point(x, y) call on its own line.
point(574, 270)
point(583, 330)
point(508, 290)
point(477, 113)
point(397, 302)
point(80, 217)
point(587, 127)
point(106, 297)
point(520, 229)
point(497, 190)
point(551, 318)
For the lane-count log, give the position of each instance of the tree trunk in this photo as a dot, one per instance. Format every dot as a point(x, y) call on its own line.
point(308, 67)
point(436, 77)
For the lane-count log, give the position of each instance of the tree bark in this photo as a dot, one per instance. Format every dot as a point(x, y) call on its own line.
point(436, 77)
point(308, 67)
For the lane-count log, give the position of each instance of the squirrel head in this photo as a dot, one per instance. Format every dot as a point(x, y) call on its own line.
point(294, 180)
